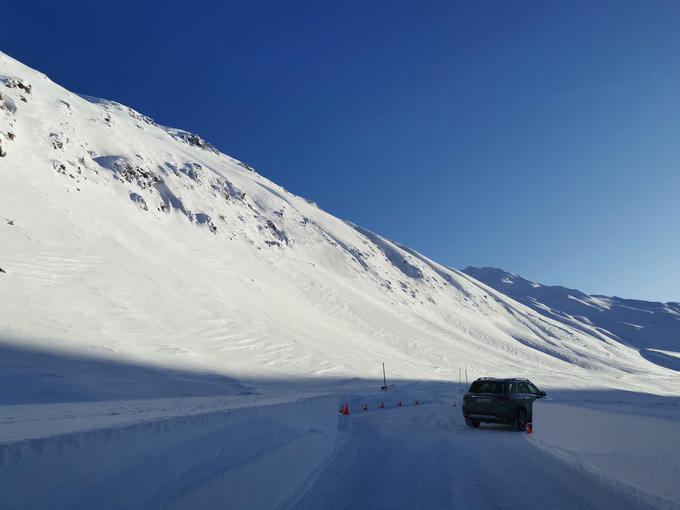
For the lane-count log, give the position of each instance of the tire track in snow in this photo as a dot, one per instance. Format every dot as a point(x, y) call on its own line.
point(426, 458)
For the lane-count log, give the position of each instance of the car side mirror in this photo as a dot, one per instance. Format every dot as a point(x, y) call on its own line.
point(541, 394)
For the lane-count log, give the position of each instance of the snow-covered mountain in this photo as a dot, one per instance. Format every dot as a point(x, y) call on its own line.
point(130, 242)
point(651, 327)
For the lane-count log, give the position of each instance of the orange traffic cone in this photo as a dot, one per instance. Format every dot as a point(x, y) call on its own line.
point(454, 403)
point(530, 427)
point(381, 406)
point(365, 407)
point(399, 404)
point(417, 402)
point(345, 410)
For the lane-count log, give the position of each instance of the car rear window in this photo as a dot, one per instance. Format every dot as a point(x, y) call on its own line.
point(523, 388)
point(527, 387)
point(486, 387)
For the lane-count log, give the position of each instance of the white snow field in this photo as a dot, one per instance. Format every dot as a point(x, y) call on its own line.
point(178, 331)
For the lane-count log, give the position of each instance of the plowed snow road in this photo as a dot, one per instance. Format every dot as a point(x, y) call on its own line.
point(425, 457)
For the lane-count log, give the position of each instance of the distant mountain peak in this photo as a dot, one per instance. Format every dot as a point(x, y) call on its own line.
point(648, 326)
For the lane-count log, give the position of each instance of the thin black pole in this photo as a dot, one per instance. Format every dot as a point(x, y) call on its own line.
point(384, 378)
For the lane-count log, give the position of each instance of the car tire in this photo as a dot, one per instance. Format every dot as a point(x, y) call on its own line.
point(472, 423)
point(521, 420)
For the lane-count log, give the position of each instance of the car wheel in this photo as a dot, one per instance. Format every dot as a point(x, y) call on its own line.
point(472, 423)
point(521, 420)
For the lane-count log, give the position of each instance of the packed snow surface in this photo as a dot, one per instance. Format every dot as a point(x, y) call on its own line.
point(640, 451)
point(305, 455)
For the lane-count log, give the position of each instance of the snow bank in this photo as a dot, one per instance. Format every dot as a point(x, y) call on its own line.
point(198, 461)
point(640, 451)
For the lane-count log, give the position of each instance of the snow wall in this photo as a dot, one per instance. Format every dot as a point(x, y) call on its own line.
point(640, 451)
point(252, 458)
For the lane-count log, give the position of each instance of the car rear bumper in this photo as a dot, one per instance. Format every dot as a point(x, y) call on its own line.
point(493, 418)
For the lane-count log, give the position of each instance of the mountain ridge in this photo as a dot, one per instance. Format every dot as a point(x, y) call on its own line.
point(652, 327)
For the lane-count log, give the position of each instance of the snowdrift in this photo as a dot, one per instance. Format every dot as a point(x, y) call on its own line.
point(642, 452)
point(245, 458)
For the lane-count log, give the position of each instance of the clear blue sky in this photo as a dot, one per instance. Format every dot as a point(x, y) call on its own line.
point(541, 137)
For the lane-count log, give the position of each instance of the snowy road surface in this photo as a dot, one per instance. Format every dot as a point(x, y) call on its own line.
point(426, 458)
point(300, 454)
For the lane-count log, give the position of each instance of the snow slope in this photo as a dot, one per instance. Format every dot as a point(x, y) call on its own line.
point(131, 244)
point(651, 327)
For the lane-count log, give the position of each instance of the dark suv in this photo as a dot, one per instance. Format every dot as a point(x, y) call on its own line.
point(500, 401)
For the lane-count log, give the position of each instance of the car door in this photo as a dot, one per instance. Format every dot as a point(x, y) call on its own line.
point(525, 396)
point(509, 400)
point(498, 404)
